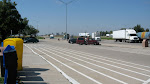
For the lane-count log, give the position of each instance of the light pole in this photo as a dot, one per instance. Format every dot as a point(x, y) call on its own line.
point(66, 3)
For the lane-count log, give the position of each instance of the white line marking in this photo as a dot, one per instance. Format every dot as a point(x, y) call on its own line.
point(103, 58)
point(146, 82)
point(64, 74)
point(128, 62)
point(120, 50)
point(99, 66)
point(71, 68)
point(85, 67)
point(105, 63)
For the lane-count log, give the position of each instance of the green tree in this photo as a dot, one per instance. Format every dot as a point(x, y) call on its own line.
point(26, 31)
point(33, 31)
point(111, 32)
point(138, 28)
point(10, 19)
point(30, 30)
point(26, 28)
point(123, 28)
point(147, 30)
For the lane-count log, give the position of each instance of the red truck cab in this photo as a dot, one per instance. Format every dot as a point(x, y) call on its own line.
point(91, 41)
point(80, 40)
point(86, 41)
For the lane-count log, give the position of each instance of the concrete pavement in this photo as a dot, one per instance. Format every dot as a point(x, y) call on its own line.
point(95, 64)
point(38, 71)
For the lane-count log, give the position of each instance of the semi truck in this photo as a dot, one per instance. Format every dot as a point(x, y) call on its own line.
point(143, 35)
point(96, 36)
point(127, 35)
point(84, 34)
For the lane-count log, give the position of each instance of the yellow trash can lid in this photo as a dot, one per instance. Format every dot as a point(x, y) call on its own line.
point(13, 39)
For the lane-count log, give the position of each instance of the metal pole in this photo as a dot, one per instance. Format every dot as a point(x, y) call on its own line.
point(11, 33)
point(66, 3)
point(37, 27)
point(66, 20)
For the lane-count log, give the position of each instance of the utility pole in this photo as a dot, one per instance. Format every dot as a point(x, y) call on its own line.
point(11, 33)
point(66, 3)
point(37, 26)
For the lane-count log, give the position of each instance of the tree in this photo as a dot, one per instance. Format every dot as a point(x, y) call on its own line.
point(26, 28)
point(147, 30)
point(26, 31)
point(138, 28)
point(30, 30)
point(111, 32)
point(10, 19)
point(123, 28)
point(33, 31)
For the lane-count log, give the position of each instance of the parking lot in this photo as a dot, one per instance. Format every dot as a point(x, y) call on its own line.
point(108, 63)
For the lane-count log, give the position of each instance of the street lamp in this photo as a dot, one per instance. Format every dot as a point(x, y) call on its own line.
point(66, 3)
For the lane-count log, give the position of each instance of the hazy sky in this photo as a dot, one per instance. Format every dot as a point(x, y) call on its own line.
point(85, 15)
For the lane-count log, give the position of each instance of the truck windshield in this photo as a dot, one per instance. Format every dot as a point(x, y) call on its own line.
point(80, 39)
point(133, 35)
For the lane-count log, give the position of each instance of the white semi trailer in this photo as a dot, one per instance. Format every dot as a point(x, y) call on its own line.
point(96, 36)
point(127, 35)
point(84, 34)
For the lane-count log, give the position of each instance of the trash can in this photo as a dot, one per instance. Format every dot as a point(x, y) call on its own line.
point(10, 65)
point(18, 44)
point(145, 43)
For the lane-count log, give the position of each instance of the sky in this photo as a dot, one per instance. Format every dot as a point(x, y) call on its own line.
point(49, 16)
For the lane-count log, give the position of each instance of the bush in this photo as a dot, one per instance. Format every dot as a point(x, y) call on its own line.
point(106, 38)
point(38, 37)
point(1, 80)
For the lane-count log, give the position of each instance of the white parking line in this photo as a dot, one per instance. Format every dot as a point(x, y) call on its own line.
point(105, 63)
point(64, 74)
point(86, 67)
point(71, 68)
point(146, 82)
point(140, 52)
point(98, 66)
point(127, 62)
point(103, 58)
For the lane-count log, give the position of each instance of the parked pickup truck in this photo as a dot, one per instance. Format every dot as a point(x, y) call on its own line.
point(72, 40)
point(91, 41)
point(86, 41)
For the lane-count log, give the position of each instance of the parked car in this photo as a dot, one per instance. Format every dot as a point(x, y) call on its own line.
point(80, 40)
point(72, 40)
point(30, 39)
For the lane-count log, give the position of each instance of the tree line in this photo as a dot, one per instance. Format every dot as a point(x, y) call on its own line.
point(11, 20)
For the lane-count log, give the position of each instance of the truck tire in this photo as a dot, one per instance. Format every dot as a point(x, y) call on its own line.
point(129, 41)
point(80, 43)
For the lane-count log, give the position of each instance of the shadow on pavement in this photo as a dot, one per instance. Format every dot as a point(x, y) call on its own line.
point(31, 75)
